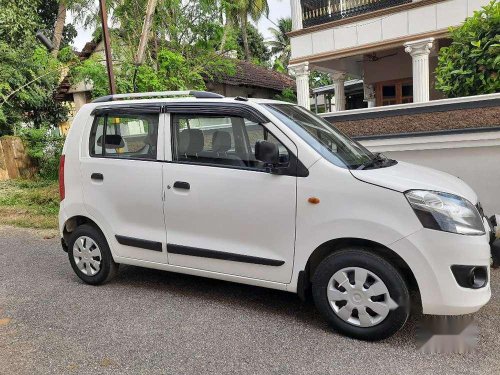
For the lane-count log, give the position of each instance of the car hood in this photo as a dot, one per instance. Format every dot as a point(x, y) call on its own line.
point(405, 176)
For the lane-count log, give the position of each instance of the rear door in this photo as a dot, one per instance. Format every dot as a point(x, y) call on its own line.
point(122, 179)
point(224, 212)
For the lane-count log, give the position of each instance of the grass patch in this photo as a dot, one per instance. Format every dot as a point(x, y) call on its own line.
point(29, 203)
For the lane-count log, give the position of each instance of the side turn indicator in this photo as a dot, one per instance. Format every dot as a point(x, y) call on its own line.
point(313, 200)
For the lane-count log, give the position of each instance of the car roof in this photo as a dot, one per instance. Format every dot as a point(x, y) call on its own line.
point(172, 97)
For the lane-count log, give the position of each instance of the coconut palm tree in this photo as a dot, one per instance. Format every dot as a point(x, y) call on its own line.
point(230, 9)
point(237, 13)
point(78, 6)
point(254, 9)
point(280, 45)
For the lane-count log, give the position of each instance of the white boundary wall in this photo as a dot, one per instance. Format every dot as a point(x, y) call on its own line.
point(474, 157)
point(471, 154)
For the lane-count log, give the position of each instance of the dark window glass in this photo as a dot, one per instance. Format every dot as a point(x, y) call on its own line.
point(389, 92)
point(125, 136)
point(407, 90)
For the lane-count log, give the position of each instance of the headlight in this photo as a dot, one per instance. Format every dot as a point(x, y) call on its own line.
point(445, 212)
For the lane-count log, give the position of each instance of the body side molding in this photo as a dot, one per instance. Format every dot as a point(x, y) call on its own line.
point(204, 253)
point(137, 242)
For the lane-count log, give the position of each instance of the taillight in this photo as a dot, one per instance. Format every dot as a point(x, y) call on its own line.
point(62, 191)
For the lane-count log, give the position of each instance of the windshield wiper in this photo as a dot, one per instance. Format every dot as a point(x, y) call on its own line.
point(378, 160)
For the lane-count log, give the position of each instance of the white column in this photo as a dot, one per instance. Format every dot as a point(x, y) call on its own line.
point(338, 85)
point(296, 14)
point(79, 98)
point(419, 51)
point(301, 72)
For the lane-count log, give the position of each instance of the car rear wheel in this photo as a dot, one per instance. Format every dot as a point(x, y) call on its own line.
point(90, 256)
point(361, 294)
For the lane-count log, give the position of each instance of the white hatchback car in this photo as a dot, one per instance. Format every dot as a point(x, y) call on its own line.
point(266, 193)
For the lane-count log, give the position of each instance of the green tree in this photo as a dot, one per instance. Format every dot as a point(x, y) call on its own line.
point(471, 64)
point(237, 14)
point(79, 6)
point(229, 9)
point(170, 70)
point(280, 45)
point(48, 12)
point(287, 95)
point(28, 73)
point(18, 20)
point(28, 77)
point(259, 51)
point(253, 9)
point(319, 79)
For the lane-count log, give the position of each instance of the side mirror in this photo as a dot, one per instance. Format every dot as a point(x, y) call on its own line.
point(267, 152)
point(111, 141)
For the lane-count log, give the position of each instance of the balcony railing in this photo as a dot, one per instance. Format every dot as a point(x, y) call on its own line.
point(316, 12)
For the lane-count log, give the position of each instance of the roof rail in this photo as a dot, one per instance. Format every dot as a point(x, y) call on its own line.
point(159, 94)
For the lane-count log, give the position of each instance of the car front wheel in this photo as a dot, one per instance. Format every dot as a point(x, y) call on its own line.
point(361, 294)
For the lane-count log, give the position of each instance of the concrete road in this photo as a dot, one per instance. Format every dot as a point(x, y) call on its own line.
point(153, 322)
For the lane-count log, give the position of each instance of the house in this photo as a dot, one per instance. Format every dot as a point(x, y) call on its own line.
point(249, 80)
point(392, 45)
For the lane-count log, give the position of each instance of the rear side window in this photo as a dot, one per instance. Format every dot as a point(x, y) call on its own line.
point(124, 136)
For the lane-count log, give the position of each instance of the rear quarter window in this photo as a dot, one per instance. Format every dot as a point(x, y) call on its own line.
point(124, 136)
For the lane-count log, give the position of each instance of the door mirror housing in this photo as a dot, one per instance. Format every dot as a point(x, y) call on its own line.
point(267, 152)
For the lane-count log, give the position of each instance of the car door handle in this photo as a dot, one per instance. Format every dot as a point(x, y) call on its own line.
point(182, 185)
point(97, 176)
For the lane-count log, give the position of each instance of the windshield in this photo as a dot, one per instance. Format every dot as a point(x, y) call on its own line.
point(322, 136)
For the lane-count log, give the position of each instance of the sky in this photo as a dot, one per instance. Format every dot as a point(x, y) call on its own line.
point(277, 9)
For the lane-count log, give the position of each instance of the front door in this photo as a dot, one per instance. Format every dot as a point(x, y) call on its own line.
point(224, 212)
point(122, 181)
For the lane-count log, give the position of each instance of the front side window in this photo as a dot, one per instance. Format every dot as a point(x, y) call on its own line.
point(125, 136)
point(220, 141)
point(322, 136)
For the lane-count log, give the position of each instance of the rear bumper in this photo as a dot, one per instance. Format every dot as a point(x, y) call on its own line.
point(431, 254)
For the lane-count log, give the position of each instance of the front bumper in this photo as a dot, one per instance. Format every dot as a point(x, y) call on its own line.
point(430, 255)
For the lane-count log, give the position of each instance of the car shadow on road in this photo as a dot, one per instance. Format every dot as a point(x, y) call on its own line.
point(261, 300)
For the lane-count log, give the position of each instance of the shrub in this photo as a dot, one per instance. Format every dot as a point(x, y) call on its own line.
point(470, 65)
point(287, 95)
point(44, 148)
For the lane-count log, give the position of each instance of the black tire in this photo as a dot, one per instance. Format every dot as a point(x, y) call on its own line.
point(108, 267)
point(395, 283)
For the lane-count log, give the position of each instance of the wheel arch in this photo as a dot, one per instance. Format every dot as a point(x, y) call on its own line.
point(329, 247)
point(74, 222)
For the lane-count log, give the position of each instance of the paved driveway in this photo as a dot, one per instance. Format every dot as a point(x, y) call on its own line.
point(153, 322)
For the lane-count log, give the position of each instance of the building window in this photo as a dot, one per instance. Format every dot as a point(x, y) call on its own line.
point(394, 92)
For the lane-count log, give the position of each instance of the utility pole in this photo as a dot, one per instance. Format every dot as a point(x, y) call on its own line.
point(107, 46)
point(150, 9)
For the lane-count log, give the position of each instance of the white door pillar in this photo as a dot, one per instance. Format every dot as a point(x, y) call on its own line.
point(338, 86)
point(419, 51)
point(296, 14)
point(301, 72)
